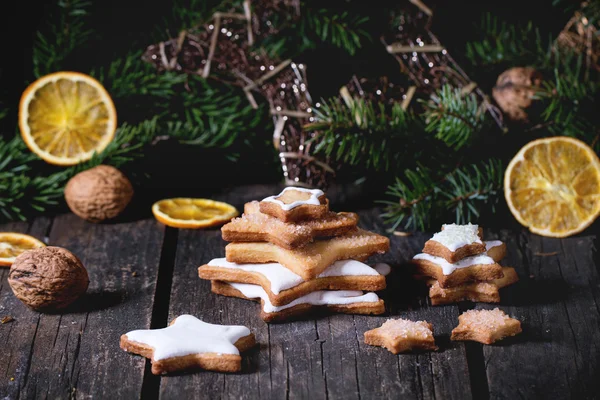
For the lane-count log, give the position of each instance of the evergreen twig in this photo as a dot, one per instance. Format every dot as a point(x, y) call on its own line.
point(454, 117)
point(507, 44)
point(343, 30)
point(419, 199)
point(365, 132)
point(66, 31)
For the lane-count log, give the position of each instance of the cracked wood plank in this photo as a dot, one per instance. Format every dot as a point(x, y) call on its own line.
point(17, 336)
point(556, 300)
point(76, 353)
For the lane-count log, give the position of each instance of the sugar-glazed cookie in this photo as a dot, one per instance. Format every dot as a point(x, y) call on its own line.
point(485, 326)
point(295, 204)
point(341, 301)
point(476, 268)
point(312, 259)
point(190, 343)
point(402, 335)
point(455, 242)
point(254, 226)
point(284, 286)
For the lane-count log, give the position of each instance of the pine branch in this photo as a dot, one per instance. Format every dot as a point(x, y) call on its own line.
point(469, 189)
point(129, 77)
point(315, 28)
point(65, 32)
point(570, 106)
point(421, 198)
point(508, 44)
point(455, 118)
point(364, 133)
point(413, 200)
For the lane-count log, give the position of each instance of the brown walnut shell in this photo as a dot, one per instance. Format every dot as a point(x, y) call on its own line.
point(98, 194)
point(48, 279)
point(515, 90)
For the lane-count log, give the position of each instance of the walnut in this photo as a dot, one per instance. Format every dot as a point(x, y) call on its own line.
point(514, 91)
point(99, 193)
point(48, 278)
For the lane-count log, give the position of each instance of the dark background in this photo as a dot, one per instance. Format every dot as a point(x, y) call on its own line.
point(176, 170)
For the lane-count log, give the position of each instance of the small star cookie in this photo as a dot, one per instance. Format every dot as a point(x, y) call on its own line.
point(189, 342)
point(485, 326)
point(295, 204)
point(401, 335)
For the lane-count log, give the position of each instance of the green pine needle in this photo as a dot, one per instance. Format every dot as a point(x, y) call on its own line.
point(454, 117)
point(422, 198)
point(314, 28)
point(507, 44)
point(65, 32)
point(363, 133)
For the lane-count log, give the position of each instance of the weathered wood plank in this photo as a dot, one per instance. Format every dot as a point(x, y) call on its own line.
point(557, 301)
point(17, 336)
point(76, 353)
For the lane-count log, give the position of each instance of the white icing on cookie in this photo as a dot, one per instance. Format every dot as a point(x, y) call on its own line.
point(383, 268)
point(492, 243)
point(449, 268)
point(455, 236)
point(318, 298)
point(282, 278)
point(188, 335)
point(312, 200)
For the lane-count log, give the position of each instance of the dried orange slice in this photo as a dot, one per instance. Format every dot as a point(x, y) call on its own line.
point(552, 186)
point(193, 213)
point(12, 244)
point(65, 117)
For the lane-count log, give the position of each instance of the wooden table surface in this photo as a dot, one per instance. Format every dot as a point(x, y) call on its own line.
point(143, 275)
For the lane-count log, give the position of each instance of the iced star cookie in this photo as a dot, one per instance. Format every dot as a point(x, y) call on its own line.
point(312, 259)
point(295, 204)
point(190, 343)
point(478, 292)
point(341, 301)
point(254, 226)
point(401, 335)
point(475, 268)
point(455, 242)
point(495, 249)
point(485, 326)
point(284, 286)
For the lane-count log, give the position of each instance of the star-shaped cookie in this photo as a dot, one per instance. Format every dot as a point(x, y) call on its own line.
point(189, 342)
point(485, 326)
point(401, 335)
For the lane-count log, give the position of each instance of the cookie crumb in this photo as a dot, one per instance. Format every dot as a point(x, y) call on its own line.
point(134, 274)
point(6, 319)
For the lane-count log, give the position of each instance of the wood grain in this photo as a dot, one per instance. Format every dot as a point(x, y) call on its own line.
point(17, 337)
point(76, 353)
point(557, 301)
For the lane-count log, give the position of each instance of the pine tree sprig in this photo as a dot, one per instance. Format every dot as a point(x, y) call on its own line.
point(569, 104)
point(422, 198)
point(508, 44)
point(316, 27)
point(363, 132)
point(129, 76)
point(413, 200)
point(469, 188)
point(65, 32)
point(455, 118)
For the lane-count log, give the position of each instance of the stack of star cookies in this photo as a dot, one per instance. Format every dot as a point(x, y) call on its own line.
point(291, 253)
point(458, 265)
